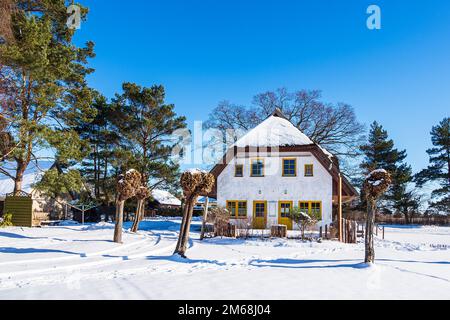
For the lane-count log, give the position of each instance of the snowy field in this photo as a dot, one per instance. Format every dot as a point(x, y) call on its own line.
point(81, 262)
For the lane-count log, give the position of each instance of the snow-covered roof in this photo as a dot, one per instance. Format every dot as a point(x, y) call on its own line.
point(165, 197)
point(276, 131)
point(273, 132)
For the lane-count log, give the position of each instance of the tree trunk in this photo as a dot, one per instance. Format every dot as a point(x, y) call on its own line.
point(205, 216)
point(136, 217)
point(119, 222)
point(19, 177)
point(139, 215)
point(183, 238)
point(370, 252)
point(407, 218)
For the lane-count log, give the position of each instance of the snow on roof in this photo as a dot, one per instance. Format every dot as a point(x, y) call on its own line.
point(165, 197)
point(274, 131)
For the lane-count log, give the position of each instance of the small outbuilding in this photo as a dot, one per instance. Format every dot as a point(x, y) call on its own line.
point(164, 203)
point(29, 207)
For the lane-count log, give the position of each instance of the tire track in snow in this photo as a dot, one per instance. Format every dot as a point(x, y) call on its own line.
point(104, 261)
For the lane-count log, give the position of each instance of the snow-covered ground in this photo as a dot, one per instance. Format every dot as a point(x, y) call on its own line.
point(81, 262)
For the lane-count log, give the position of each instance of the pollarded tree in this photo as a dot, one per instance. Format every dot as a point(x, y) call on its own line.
point(194, 183)
point(379, 152)
point(145, 124)
point(439, 169)
point(43, 91)
point(127, 187)
point(375, 184)
point(141, 195)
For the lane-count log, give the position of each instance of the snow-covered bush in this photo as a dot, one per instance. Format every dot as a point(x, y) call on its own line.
point(303, 220)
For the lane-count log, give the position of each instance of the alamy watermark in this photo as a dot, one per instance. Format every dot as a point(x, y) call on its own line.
point(74, 19)
point(207, 146)
point(374, 20)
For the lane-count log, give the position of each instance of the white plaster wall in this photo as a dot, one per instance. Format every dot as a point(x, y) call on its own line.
point(273, 187)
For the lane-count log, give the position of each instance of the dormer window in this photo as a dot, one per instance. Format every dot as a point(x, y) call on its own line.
point(257, 169)
point(239, 171)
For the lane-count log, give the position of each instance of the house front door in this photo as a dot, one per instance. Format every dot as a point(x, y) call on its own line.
point(259, 214)
point(284, 212)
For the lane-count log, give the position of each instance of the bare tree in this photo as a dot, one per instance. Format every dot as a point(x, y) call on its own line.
point(333, 126)
point(193, 183)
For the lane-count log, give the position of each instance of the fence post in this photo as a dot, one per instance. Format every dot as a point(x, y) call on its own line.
point(326, 231)
point(383, 232)
point(320, 232)
point(345, 231)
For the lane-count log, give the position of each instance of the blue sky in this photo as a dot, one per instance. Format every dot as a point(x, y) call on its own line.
point(204, 52)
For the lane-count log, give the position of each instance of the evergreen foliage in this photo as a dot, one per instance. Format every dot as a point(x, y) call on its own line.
point(379, 153)
point(43, 91)
point(438, 171)
point(145, 124)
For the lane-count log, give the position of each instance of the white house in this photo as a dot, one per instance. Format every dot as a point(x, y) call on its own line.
point(274, 168)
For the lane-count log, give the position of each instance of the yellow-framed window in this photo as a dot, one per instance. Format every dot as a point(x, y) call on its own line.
point(239, 170)
point(304, 207)
point(259, 209)
point(257, 167)
point(312, 208)
point(231, 207)
point(309, 170)
point(285, 208)
point(316, 209)
point(289, 167)
point(237, 209)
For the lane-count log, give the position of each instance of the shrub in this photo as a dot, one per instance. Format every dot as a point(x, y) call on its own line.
point(303, 220)
point(6, 221)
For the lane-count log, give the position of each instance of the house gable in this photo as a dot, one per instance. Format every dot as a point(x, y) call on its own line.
point(262, 141)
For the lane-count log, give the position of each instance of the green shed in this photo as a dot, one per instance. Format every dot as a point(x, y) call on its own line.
point(21, 208)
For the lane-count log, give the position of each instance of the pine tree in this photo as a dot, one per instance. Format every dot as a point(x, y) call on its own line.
point(379, 153)
point(98, 168)
point(43, 90)
point(145, 124)
point(439, 169)
point(404, 201)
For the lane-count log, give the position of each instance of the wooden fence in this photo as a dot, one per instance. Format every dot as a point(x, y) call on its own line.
point(423, 220)
point(438, 220)
point(350, 231)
